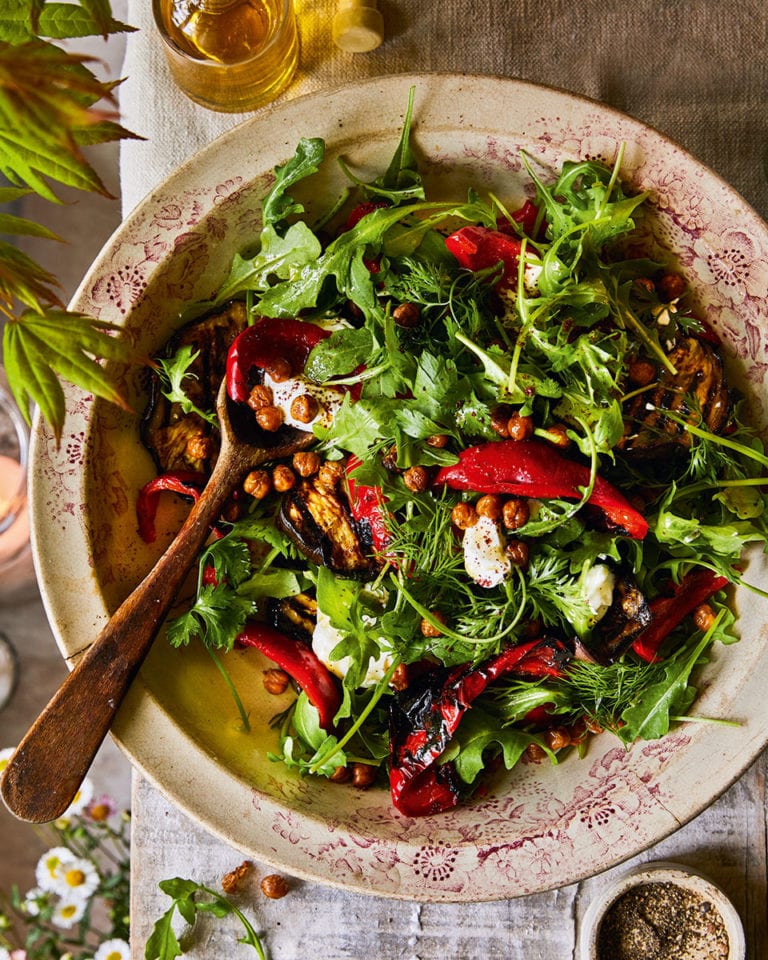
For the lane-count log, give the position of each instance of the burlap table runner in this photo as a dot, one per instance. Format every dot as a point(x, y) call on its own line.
point(698, 72)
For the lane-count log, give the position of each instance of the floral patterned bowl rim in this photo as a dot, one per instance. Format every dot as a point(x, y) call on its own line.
point(539, 827)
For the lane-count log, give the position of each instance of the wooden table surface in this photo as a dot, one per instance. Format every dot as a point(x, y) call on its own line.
point(727, 842)
point(700, 75)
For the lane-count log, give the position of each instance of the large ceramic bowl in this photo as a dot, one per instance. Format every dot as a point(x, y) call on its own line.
point(539, 827)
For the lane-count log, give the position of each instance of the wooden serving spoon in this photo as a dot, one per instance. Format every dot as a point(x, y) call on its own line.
point(48, 767)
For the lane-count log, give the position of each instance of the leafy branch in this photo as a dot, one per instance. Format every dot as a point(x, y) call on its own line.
point(52, 107)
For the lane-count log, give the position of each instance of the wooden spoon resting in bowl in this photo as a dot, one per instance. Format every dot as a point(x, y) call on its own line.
point(44, 774)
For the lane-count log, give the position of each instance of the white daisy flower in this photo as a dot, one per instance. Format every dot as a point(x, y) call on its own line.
point(113, 950)
point(49, 867)
point(34, 899)
point(68, 911)
point(5, 755)
point(79, 877)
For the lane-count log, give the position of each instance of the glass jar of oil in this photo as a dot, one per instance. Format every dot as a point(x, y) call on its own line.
point(229, 55)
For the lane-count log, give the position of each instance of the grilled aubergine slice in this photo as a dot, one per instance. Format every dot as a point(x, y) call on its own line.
point(697, 393)
point(184, 441)
point(316, 516)
point(295, 616)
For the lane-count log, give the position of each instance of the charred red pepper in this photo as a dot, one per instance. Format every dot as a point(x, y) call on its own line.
point(300, 662)
point(187, 483)
point(668, 611)
point(527, 216)
point(362, 210)
point(425, 716)
point(534, 468)
point(266, 341)
point(480, 248)
point(367, 505)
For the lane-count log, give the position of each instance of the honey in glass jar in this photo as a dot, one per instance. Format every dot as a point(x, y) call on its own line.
point(229, 55)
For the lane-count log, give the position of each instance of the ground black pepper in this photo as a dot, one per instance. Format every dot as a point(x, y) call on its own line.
point(662, 921)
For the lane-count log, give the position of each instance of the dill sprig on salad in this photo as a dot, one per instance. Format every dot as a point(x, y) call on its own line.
point(530, 490)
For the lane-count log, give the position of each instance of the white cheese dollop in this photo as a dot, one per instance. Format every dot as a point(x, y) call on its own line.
point(329, 399)
point(597, 585)
point(484, 557)
point(325, 637)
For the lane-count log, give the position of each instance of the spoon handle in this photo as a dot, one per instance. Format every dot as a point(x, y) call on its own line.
point(44, 774)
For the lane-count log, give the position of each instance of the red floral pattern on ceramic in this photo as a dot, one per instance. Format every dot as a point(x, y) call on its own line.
point(539, 826)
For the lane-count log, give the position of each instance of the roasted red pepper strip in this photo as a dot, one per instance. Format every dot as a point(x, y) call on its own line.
point(534, 468)
point(268, 340)
point(479, 248)
point(367, 505)
point(667, 612)
point(527, 216)
point(188, 483)
point(300, 662)
point(362, 210)
point(427, 714)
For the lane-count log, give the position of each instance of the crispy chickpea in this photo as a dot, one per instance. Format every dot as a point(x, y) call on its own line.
point(517, 551)
point(407, 315)
point(283, 478)
point(279, 370)
point(199, 447)
point(557, 435)
point(515, 513)
point(330, 474)
point(519, 427)
point(464, 516)
point(428, 629)
point(389, 460)
point(231, 882)
point(306, 463)
point(304, 408)
point(641, 373)
point(275, 681)
point(703, 616)
point(578, 731)
point(671, 286)
point(261, 396)
point(399, 679)
point(438, 441)
point(500, 419)
point(490, 505)
point(416, 479)
point(258, 484)
point(274, 886)
point(534, 752)
point(363, 775)
point(340, 775)
point(269, 418)
point(557, 738)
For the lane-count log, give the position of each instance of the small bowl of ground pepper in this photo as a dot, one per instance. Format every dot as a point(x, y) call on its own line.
point(662, 911)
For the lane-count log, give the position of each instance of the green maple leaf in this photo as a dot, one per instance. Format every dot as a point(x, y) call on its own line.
point(40, 347)
point(21, 20)
point(47, 112)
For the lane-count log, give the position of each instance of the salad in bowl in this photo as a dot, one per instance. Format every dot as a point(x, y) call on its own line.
point(527, 356)
point(531, 486)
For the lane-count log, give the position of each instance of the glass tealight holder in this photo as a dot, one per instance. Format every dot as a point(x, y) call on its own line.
point(229, 55)
point(16, 569)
